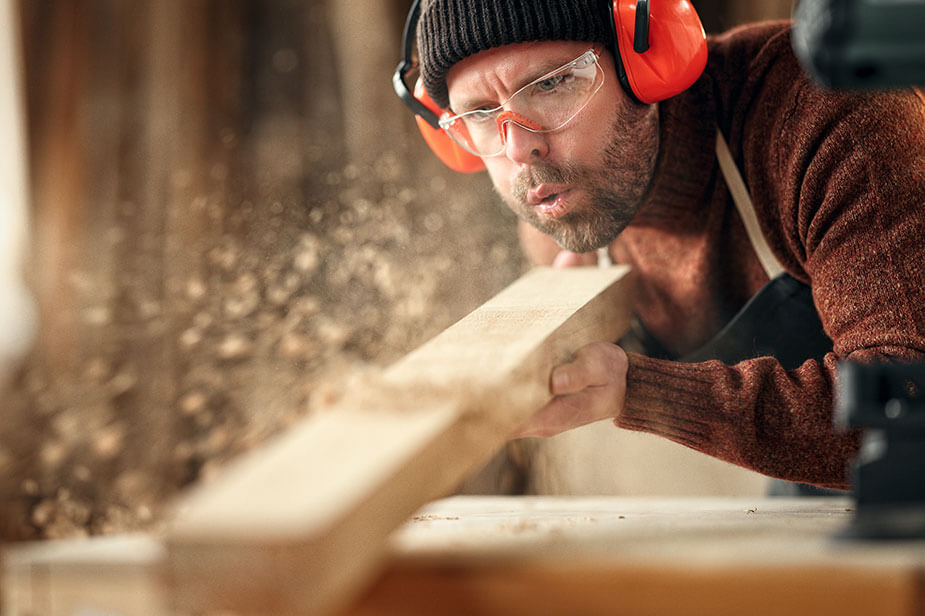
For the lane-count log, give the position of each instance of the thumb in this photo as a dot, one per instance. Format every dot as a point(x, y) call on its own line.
point(568, 378)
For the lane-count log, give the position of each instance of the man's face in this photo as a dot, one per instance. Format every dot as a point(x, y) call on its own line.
point(583, 183)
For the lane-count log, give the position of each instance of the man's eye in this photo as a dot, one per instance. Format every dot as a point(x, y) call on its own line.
point(549, 84)
point(479, 115)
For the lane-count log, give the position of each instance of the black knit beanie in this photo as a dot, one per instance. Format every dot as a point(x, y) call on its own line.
point(451, 30)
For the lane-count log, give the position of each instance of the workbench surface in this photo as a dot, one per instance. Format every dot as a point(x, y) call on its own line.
point(639, 556)
point(552, 555)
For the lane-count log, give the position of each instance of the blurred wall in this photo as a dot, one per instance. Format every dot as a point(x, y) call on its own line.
point(17, 311)
point(720, 15)
point(231, 212)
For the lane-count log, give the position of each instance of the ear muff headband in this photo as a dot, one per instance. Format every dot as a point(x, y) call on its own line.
point(660, 51)
point(426, 111)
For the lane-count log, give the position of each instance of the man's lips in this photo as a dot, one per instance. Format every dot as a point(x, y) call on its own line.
point(551, 200)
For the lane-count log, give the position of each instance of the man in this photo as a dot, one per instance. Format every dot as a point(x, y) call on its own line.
point(738, 366)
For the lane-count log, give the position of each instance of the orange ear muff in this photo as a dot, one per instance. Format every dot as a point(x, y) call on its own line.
point(676, 50)
point(447, 150)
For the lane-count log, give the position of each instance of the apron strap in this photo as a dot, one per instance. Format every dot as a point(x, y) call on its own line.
point(743, 202)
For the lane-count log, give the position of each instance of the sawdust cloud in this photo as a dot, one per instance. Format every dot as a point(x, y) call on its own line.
point(199, 287)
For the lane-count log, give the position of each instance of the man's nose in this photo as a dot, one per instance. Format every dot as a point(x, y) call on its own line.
point(522, 142)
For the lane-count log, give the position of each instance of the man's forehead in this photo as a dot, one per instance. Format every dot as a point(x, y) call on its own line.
point(511, 66)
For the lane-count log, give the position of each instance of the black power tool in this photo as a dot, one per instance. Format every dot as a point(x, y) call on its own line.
point(887, 401)
point(861, 44)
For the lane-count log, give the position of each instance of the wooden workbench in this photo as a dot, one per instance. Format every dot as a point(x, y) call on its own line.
point(644, 556)
point(551, 555)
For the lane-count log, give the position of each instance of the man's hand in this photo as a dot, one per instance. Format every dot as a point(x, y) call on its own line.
point(589, 388)
point(567, 258)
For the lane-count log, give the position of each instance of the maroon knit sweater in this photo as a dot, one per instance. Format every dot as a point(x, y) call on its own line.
point(838, 184)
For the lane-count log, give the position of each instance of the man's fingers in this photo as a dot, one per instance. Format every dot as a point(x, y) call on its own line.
point(558, 415)
point(589, 388)
point(591, 367)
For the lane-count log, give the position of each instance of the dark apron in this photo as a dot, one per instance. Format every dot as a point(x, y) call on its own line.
point(779, 321)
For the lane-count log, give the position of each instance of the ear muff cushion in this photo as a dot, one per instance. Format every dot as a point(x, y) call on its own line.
point(677, 51)
point(452, 155)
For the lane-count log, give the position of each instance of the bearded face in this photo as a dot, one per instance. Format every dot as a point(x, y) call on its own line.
point(581, 183)
point(603, 196)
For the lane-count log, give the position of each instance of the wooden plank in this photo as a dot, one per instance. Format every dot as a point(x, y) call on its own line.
point(301, 526)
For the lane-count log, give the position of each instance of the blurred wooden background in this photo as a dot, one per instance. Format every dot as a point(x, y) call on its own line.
point(230, 211)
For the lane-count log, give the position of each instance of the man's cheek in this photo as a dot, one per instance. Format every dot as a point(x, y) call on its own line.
point(503, 187)
point(497, 178)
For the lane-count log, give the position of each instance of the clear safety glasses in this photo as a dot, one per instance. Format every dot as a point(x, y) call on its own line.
point(542, 106)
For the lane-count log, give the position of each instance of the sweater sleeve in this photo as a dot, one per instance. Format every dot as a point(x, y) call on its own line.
point(754, 414)
point(838, 181)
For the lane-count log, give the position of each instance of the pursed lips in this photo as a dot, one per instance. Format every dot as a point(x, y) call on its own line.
point(550, 199)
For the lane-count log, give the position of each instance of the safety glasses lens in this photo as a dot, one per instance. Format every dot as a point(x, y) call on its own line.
point(549, 103)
